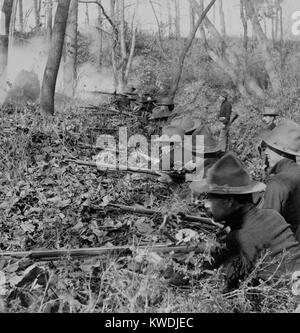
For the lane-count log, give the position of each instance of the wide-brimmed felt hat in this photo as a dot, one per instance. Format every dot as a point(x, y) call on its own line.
point(285, 138)
point(227, 176)
point(187, 123)
point(167, 101)
point(171, 133)
point(160, 112)
point(129, 90)
point(211, 146)
point(270, 112)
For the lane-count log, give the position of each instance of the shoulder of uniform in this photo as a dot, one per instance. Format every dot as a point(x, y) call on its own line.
point(277, 180)
point(271, 214)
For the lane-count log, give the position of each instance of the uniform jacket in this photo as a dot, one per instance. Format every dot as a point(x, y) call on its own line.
point(283, 193)
point(225, 111)
point(253, 231)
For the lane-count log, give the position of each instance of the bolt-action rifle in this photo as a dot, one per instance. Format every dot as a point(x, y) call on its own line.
point(52, 255)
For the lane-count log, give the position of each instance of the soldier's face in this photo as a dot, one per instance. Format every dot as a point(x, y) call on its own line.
point(218, 207)
point(272, 156)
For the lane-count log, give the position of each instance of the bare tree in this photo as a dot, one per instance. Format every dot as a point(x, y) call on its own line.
point(202, 31)
point(100, 35)
point(170, 19)
point(54, 58)
point(6, 13)
point(160, 37)
point(36, 13)
point(222, 19)
point(192, 16)
point(122, 54)
point(228, 61)
point(87, 15)
point(187, 46)
point(21, 15)
point(177, 19)
point(265, 48)
point(245, 25)
point(70, 63)
point(49, 20)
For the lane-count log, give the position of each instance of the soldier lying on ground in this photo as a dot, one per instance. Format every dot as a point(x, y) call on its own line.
point(160, 115)
point(202, 155)
point(283, 189)
point(229, 191)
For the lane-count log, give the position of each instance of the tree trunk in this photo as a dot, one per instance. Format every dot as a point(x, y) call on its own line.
point(226, 59)
point(222, 19)
point(131, 54)
point(100, 35)
point(281, 38)
point(21, 16)
point(281, 24)
point(160, 38)
point(132, 46)
point(266, 51)
point(276, 23)
point(70, 64)
point(54, 58)
point(177, 19)
point(192, 16)
point(114, 43)
point(36, 14)
point(122, 66)
point(49, 21)
point(202, 30)
point(177, 76)
point(245, 26)
point(170, 19)
point(6, 13)
point(273, 29)
point(87, 16)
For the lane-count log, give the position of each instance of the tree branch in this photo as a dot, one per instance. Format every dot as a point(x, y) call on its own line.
point(106, 16)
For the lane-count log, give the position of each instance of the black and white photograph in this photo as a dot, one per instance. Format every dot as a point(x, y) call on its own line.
point(149, 159)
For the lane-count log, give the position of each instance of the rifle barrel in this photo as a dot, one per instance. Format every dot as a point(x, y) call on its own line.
point(190, 218)
point(49, 255)
point(105, 93)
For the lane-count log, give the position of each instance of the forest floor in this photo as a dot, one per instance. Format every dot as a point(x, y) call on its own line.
point(49, 203)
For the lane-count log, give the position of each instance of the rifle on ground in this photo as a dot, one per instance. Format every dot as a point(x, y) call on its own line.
point(106, 93)
point(52, 255)
point(175, 175)
point(189, 218)
point(109, 111)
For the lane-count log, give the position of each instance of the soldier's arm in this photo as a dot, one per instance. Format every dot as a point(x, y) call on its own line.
point(225, 253)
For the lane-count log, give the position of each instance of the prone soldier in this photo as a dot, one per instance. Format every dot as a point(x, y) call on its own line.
point(229, 191)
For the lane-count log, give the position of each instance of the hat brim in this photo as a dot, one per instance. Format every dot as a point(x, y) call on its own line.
point(152, 117)
point(270, 115)
point(191, 130)
point(201, 151)
point(165, 138)
point(202, 186)
point(279, 147)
